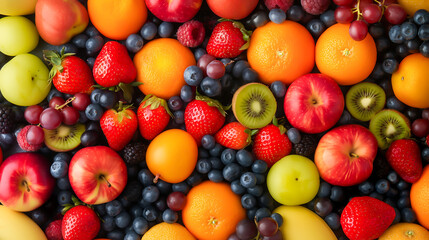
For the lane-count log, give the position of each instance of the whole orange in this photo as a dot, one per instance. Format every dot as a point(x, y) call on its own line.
point(411, 6)
point(117, 19)
point(410, 82)
point(281, 52)
point(160, 65)
point(405, 231)
point(172, 155)
point(168, 231)
point(212, 211)
point(419, 196)
point(345, 60)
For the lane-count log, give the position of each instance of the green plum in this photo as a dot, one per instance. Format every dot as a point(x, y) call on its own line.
point(18, 35)
point(293, 180)
point(17, 7)
point(24, 80)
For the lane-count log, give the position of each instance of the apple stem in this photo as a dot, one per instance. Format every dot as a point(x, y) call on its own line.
point(26, 185)
point(155, 180)
point(104, 178)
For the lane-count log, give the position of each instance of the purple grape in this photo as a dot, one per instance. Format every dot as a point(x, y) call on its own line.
point(35, 135)
point(50, 118)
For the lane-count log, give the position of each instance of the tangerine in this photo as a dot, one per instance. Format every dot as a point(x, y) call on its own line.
point(405, 231)
point(212, 211)
point(411, 6)
point(168, 231)
point(345, 60)
point(172, 155)
point(160, 65)
point(410, 82)
point(419, 197)
point(281, 52)
point(117, 19)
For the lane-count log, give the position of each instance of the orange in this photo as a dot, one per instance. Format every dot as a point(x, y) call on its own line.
point(345, 60)
point(117, 19)
point(172, 155)
point(168, 231)
point(419, 196)
point(160, 65)
point(410, 82)
point(405, 231)
point(411, 6)
point(281, 52)
point(212, 211)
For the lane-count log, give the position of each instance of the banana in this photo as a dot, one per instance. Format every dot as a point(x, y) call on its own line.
point(18, 226)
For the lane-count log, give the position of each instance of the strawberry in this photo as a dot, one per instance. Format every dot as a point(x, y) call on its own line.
point(404, 157)
point(69, 74)
point(53, 231)
point(80, 223)
point(271, 144)
point(234, 135)
point(113, 65)
point(203, 116)
point(366, 218)
point(119, 126)
point(153, 116)
point(427, 140)
point(228, 39)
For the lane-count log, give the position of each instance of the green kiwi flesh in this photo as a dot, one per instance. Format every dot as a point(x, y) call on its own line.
point(389, 125)
point(254, 105)
point(64, 138)
point(364, 100)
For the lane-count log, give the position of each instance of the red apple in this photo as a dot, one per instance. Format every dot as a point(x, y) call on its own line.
point(25, 181)
point(345, 155)
point(313, 103)
point(97, 174)
point(174, 10)
point(232, 9)
point(57, 21)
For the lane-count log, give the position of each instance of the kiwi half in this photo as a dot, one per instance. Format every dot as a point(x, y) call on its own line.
point(389, 125)
point(254, 105)
point(364, 100)
point(64, 138)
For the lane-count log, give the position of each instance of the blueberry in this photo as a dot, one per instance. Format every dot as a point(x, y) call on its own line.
point(175, 103)
point(203, 166)
point(203, 153)
point(408, 215)
point(149, 31)
point(134, 43)
point(328, 18)
point(94, 44)
point(333, 221)
point(165, 29)
point(395, 34)
point(186, 93)
point(161, 204)
point(122, 220)
point(63, 183)
point(208, 142)
point(215, 176)
point(140, 225)
point(64, 197)
point(391, 202)
point(393, 177)
point(163, 187)
point(323, 206)
point(108, 99)
point(260, 178)
point(80, 40)
point(231, 172)
point(425, 154)
point(259, 19)
point(249, 75)
point(424, 48)
point(324, 190)
point(376, 195)
point(216, 152)
point(266, 200)
point(262, 213)
point(382, 186)
point(237, 188)
point(199, 52)
point(276, 15)
point(62, 157)
point(394, 103)
point(316, 27)
point(194, 179)
point(193, 75)
point(136, 211)
point(346, 118)
point(408, 30)
point(390, 65)
point(113, 208)
point(393, 192)
point(145, 177)
point(150, 194)
point(382, 44)
point(59, 169)
point(256, 191)
point(69, 48)
point(170, 216)
point(248, 180)
point(248, 201)
point(95, 95)
point(150, 213)
point(244, 158)
point(90, 61)
point(54, 93)
point(413, 45)
point(115, 235)
point(179, 117)
point(39, 215)
point(108, 224)
point(421, 16)
point(229, 65)
point(216, 163)
point(131, 235)
point(337, 194)
point(238, 68)
point(251, 213)
point(91, 31)
point(227, 156)
point(404, 202)
point(259, 166)
point(278, 88)
point(211, 87)
point(397, 218)
point(278, 218)
point(295, 13)
point(294, 135)
point(181, 187)
point(424, 32)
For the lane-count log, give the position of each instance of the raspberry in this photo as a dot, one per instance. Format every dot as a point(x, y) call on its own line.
point(191, 33)
point(282, 4)
point(315, 7)
point(23, 143)
point(53, 231)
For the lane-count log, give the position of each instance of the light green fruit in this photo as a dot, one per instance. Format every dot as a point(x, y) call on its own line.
point(17, 7)
point(18, 35)
point(24, 80)
point(293, 180)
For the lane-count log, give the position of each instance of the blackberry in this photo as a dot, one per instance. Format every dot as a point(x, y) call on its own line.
point(307, 146)
point(7, 121)
point(134, 152)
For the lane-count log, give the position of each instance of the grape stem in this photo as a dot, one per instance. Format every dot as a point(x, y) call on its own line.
point(65, 104)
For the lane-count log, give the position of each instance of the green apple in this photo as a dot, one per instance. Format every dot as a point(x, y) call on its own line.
point(17, 7)
point(18, 35)
point(293, 180)
point(24, 80)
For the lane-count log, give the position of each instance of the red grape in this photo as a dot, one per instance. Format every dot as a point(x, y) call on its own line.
point(277, 236)
point(267, 227)
point(344, 14)
point(176, 201)
point(246, 229)
point(363, 4)
point(204, 61)
point(56, 101)
point(81, 101)
point(358, 30)
point(32, 114)
point(50, 118)
point(35, 135)
point(233, 237)
point(215, 69)
point(420, 127)
point(371, 13)
point(395, 14)
point(70, 115)
point(425, 113)
point(343, 2)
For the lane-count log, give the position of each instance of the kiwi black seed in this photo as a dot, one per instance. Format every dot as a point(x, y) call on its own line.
point(389, 125)
point(64, 138)
point(254, 105)
point(364, 100)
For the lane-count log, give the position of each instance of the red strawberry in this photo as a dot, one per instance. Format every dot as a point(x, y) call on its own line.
point(203, 116)
point(153, 116)
point(113, 65)
point(366, 218)
point(427, 140)
point(80, 223)
point(191, 33)
point(271, 144)
point(228, 40)
point(69, 74)
point(119, 126)
point(53, 231)
point(404, 157)
point(234, 135)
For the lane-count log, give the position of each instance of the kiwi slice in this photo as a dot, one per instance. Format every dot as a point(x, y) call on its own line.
point(254, 105)
point(64, 138)
point(364, 100)
point(389, 125)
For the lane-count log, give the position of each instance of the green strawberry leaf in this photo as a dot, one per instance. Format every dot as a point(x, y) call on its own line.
point(213, 103)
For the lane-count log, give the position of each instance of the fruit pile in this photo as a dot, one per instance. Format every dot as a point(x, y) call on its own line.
point(217, 119)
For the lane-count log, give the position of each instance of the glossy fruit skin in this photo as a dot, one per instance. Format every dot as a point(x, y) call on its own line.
point(118, 127)
point(152, 117)
point(233, 135)
point(17, 225)
point(225, 40)
point(232, 9)
point(366, 218)
point(271, 143)
point(405, 158)
point(80, 223)
point(19, 35)
point(174, 11)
